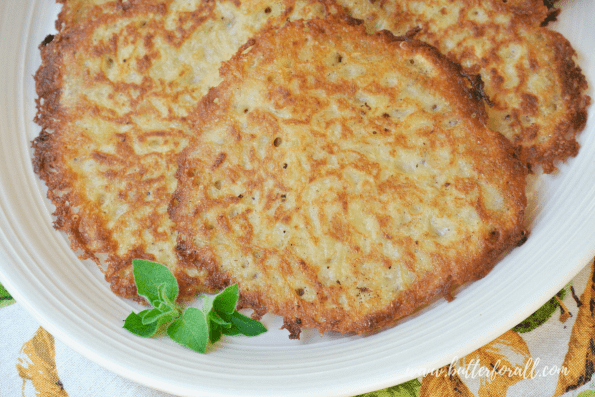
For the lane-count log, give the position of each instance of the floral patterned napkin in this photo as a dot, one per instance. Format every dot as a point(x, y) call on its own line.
point(551, 353)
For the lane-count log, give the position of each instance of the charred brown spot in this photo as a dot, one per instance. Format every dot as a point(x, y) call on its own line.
point(48, 39)
point(293, 327)
point(524, 236)
point(219, 160)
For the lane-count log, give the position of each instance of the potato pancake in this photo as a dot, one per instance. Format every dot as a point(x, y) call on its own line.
point(343, 179)
point(537, 90)
point(115, 88)
point(76, 11)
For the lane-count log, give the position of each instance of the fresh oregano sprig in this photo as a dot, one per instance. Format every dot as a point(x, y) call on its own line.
point(191, 327)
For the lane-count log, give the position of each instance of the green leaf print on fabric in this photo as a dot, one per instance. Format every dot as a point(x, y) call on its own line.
point(5, 298)
point(407, 389)
point(586, 393)
point(542, 314)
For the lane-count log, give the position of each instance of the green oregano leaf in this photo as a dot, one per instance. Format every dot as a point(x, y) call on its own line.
point(190, 330)
point(164, 293)
point(151, 315)
point(193, 328)
point(246, 325)
point(226, 300)
point(148, 276)
point(154, 315)
point(232, 331)
point(222, 303)
point(215, 332)
point(215, 318)
point(164, 307)
point(134, 324)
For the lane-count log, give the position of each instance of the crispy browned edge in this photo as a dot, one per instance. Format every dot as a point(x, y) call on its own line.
point(563, 144)
point(48, 85)
point(470, 94)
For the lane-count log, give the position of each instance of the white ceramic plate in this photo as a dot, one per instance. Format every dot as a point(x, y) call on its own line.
point(74, 303)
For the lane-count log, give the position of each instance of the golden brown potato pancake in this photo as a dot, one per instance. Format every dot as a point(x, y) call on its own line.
point(343, 180)
point(76, 11)
point(115, 88)
point(537, 90)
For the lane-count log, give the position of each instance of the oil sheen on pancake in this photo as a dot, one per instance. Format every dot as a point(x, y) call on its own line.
point(537, 90)
point(344, 180)
point(115, 88)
